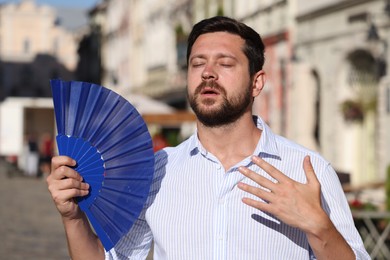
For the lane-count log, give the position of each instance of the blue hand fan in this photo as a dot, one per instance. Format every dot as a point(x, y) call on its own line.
point(113, 149)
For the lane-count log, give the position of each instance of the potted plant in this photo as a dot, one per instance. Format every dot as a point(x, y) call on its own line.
point(352, 110)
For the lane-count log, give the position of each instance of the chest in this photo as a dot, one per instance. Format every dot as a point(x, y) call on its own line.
point(202, 210)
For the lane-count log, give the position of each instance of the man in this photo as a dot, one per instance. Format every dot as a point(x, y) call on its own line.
point(233, 190)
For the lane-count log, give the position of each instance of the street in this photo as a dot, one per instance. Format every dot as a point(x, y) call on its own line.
point(30, 226)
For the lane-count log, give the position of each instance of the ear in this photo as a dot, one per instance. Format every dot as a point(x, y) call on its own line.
point(258, 83)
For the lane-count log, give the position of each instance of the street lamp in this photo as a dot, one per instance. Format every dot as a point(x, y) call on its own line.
point(372, 35)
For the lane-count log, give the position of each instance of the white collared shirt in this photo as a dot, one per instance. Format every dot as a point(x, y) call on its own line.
point(194, 210)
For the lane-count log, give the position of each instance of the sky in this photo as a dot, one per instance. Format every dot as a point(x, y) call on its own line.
point(82, 4)
point(71, 13)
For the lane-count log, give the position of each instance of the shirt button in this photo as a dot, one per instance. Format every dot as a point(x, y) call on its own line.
point(221, 201)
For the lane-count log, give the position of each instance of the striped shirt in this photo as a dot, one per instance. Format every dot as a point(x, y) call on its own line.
point(194, 210)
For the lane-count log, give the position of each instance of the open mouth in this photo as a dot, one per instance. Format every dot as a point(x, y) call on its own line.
point(209, 92)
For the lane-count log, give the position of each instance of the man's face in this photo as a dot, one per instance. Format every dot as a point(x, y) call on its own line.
point(219, 85)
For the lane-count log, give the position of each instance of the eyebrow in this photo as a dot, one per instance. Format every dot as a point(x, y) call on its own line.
point(219, 56)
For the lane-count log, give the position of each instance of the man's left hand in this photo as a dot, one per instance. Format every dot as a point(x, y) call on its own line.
point(296, 204)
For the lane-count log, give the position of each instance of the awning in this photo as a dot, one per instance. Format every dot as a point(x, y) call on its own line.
point(147, 105)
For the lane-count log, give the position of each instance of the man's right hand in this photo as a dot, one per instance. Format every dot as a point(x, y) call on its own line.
point(65, 184)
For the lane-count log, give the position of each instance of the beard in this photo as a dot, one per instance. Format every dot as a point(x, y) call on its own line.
point(228, 112)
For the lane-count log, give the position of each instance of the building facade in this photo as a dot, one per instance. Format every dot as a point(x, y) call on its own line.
point(139, 48)
point(326, 87)
point(344, 61)
point(34, 48)
point(319, 65)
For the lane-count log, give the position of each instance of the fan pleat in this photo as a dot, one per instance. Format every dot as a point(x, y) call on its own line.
point(123, 150)
point(117, 190)
point(90, 153)
point(78, 148)
point(120, 206)
point(105, 111)
point(107, 211)
point(127, 138)
point(129, 160)
point(111, 231)
point(93, 174)
point(123, 174)
point(60, 100)
point(122, 216)
point(114, 131)
point(75, 107)
point(92, 103)
point(111, 144)
point(96, 164)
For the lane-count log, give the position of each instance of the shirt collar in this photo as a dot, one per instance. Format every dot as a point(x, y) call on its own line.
point(266, 147)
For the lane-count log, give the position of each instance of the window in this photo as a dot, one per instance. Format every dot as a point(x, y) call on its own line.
point(26, 46)
point(388, 99)
point(56, 44)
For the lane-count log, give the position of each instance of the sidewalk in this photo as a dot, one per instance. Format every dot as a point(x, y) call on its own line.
point(30, 226)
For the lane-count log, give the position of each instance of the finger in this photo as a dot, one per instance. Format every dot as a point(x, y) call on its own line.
point(61, 169)
point(309, 170)
point(268, 168)
point(63, 172)
point(258, 192)
point(65, 189)
point(58, 161)
point(263, 206)
point(70, 183)
point(63, 196)
point(261, 180)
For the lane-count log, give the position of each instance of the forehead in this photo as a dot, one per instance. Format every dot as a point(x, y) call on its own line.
point(218, 42)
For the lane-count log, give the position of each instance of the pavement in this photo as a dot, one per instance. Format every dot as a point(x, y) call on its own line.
point(30, 225)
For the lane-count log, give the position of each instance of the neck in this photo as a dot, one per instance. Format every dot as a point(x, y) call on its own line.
point(230, 143)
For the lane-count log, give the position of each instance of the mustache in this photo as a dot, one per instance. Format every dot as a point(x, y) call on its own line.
point(209, 84)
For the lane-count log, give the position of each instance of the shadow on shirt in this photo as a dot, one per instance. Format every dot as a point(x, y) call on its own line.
point(294, 234)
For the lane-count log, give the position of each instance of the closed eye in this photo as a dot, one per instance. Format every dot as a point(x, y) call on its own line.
point(226, 61)
point(195, 65)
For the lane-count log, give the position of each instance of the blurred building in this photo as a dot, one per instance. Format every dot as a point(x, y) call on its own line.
point(326, 86)
point(34, 48)
point(139, 52)
point(341, 59)
point(326, 61)
point(142, 56)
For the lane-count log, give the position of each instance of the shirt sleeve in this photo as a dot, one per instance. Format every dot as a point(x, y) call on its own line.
point(335, 204)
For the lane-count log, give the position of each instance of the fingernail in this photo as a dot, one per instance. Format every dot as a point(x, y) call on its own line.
point(255, 158)
point(242, 169)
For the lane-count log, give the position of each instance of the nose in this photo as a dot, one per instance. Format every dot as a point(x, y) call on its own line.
point(209, 73)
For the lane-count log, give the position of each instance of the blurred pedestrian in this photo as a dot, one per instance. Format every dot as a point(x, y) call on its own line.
point(45, 154)
point(159, 142)
point(31, 156)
